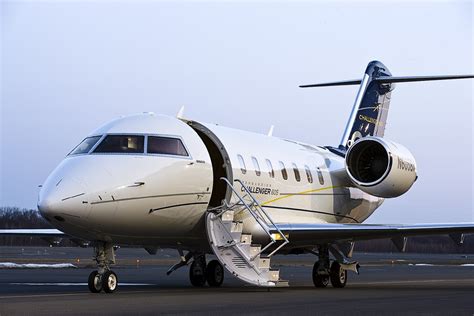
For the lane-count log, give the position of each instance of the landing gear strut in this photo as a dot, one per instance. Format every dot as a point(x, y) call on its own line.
point(103, 278)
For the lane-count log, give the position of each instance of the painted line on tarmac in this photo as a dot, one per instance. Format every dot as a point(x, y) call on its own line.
point(66, 295)
point(414, 282)
point(74, 284)
point(138, 292)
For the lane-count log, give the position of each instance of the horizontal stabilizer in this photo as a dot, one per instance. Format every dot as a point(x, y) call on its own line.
point(421, 78)
point(389, 79)
point(336, 83)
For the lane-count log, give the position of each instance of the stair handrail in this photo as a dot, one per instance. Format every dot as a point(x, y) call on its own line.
point(264, 225)
point(260, 208)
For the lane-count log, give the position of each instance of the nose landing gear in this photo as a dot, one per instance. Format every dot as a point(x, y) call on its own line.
point(104, 278)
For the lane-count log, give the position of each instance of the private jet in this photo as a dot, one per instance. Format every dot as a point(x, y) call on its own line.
point(157, 181)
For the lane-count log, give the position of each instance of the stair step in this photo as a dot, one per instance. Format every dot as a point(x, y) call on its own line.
point(235, 249)
point(228, 216)
point(264, 263)
point(282, 283)
point(236, 227)
point(254, 250)
point(246, 238)
point(274, 275)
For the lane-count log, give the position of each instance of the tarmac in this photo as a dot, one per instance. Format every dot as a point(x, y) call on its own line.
point(389, 284)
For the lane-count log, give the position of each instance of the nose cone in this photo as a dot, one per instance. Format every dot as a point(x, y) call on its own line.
point(62, 199)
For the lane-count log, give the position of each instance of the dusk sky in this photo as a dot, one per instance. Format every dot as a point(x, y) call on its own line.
point(68, 67)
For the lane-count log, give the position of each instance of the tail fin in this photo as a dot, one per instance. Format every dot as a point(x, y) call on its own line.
point(370, 110)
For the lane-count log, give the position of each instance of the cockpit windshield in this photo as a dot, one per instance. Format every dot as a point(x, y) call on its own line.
point(132, 144)
point(166, 146)
point(122, 144)
point(85, 146)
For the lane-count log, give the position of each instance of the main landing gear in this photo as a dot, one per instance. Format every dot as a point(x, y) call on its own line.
point(103, 278)
point(200, 272)
point(336, 273)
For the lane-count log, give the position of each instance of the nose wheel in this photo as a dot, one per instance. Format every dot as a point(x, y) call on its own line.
point(94, 282)
point(107, 282)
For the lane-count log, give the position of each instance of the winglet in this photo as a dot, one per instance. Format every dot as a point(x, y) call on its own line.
point(180, 114)
point(270, 131)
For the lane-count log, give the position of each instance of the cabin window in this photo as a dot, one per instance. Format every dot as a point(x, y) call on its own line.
point(85, 146)
point(320, 176)
point(297, 172)
point(166, 146)
point(256, 166)
point(242, 164)
point(129, 144)
point(308, 174)
point(284, 174)
point(271, 173)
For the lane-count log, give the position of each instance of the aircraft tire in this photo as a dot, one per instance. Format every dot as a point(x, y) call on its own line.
point(214, 273)
point(197, 273)
point(318, 279)
point(94, 282)
point(109, 282)
point(338, 275)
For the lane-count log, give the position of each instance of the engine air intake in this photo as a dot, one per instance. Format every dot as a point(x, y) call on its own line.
point(368, 161)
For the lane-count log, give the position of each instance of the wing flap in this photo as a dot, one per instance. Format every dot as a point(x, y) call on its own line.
point(312, 234)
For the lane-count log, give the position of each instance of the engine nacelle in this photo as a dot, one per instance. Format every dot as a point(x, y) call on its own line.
point(380, 167)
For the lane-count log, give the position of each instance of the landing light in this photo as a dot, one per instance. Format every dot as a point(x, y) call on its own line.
point(278, 236)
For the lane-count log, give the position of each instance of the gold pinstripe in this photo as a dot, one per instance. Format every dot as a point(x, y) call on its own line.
point(299, 193)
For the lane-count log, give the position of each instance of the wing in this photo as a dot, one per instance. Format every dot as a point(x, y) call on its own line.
point(312, 234)
point(32, 232)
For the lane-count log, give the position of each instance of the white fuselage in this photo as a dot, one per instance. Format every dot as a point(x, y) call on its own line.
point(160, 199)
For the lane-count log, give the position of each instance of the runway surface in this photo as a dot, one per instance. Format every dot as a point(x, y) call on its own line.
point(385, 286)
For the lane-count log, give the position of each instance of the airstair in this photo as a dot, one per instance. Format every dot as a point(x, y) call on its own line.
point(234, 249)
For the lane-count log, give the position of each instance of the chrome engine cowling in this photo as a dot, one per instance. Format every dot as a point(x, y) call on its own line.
point(380, 167)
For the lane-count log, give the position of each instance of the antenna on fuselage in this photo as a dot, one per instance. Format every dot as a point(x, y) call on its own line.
point(180, 114)
point(270, 131)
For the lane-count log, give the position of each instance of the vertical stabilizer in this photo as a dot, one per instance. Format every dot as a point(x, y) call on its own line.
point(370, 111)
